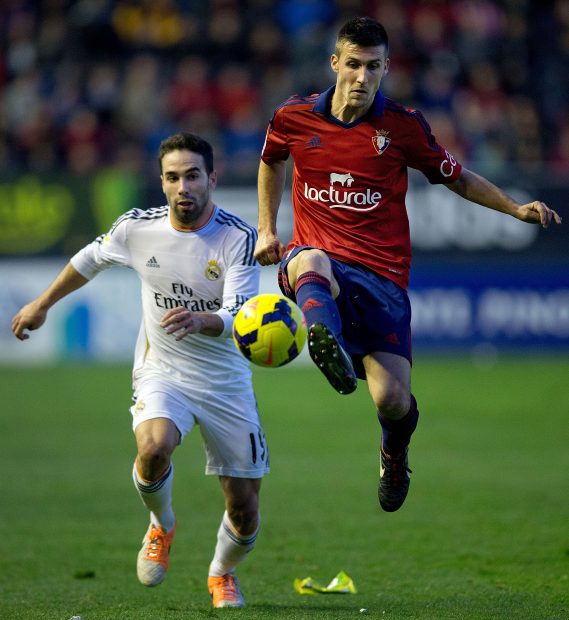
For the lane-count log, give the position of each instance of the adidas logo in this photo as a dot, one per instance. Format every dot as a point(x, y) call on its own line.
point(310, 304)
point(152, 262)
point(314, 143)
point(392, 338)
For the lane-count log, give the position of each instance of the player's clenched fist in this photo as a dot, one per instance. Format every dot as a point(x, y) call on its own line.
point(269, 250)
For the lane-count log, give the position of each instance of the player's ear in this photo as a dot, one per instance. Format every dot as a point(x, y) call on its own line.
point(213, 179)
point(334, 62)
point(386, 67)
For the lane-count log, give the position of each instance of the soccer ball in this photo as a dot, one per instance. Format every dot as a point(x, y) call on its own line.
point(269, 330)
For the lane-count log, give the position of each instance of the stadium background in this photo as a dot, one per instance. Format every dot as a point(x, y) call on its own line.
point(87, 91)
point(89, 88)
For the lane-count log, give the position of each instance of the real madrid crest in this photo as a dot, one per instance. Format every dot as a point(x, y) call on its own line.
point(380, 141)
point(213, 270)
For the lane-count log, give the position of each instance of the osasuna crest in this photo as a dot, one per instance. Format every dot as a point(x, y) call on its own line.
point(212, 271)
point(380, 141)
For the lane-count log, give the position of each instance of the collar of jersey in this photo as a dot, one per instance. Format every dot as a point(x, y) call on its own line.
point(324, 103)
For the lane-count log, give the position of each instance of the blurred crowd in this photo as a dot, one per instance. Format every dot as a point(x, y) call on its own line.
point(86, 84)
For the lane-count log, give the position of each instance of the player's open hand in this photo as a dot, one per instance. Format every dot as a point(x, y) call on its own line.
point(269, 249)
point(538, 213)
point(181, 322)
point(31, 316)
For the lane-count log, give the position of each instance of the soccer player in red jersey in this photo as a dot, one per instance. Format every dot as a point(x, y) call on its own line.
point(348, 263)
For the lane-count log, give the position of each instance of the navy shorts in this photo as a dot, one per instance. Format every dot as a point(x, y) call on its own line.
point(375, 312)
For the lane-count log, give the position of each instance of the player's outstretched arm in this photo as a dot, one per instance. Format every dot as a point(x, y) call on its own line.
point(32, 316)
point(271, 181)
point(475, 188)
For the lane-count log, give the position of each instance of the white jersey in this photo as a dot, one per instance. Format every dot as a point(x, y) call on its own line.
point(211, 269)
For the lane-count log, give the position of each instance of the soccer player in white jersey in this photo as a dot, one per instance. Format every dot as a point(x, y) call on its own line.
point(196, 267)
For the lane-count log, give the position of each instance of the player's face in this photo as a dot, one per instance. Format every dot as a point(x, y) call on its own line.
point(359, 73)
point(188, 188)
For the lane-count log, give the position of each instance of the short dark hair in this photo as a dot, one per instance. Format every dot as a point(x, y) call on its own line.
point(362, 31)
point(185, 141)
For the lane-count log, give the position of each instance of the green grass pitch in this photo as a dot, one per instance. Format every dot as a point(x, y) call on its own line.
point(484, 533)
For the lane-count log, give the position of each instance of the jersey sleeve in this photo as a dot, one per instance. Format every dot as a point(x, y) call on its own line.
point(105, 251)
point(241, 283)
point(276, 141)
point(425, 154)
point(242, 277)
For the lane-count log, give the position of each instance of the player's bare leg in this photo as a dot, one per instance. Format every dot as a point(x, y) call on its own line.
point(153, 475)
point(312, 260)
point(389, 383)
point(236, 537)
point(310, 275)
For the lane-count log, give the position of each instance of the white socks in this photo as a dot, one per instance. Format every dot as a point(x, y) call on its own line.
point(157, 497)
point(231, 548)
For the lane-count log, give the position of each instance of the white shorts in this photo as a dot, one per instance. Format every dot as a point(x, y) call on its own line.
point(230, 426)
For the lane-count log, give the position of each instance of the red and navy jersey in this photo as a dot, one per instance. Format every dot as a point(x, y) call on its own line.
point(350, 179)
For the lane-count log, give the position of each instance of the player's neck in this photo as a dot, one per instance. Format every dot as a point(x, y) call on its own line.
point(345, 113)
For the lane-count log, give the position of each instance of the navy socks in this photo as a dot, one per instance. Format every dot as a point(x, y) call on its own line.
point(314, 297)
point(397, 433)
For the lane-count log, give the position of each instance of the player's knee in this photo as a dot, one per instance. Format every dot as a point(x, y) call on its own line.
point(153, 459)
point(309, 260)
point(392, 401)
point(312, 260)
point(244, 515)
